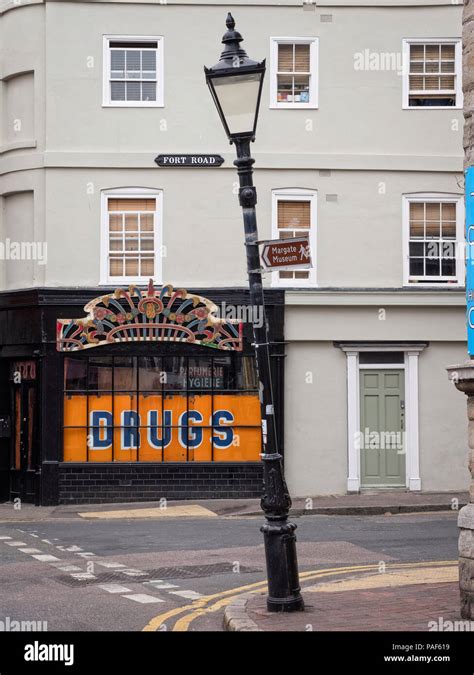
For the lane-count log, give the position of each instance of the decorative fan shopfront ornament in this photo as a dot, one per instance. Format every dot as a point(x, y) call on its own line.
point(155, 315)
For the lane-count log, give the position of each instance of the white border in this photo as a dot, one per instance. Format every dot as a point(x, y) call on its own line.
point(297, 194)
point(459, 279)
point(136, 193)
point(406, 42)
point(313, 65)
point(410, 366)
point(159, 103)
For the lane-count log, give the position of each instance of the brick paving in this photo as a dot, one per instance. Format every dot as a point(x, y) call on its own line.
point(403, 608)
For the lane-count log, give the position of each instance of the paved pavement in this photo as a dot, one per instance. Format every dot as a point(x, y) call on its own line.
point(180, 573)
point(363, 504)
point(420, 597)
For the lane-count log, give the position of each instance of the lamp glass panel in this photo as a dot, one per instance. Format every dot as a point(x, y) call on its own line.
point(238, 98)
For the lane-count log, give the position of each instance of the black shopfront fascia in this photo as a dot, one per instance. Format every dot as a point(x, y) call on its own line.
point(28, 333)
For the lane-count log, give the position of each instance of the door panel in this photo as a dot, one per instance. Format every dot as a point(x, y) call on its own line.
point(382, 411)
point(23, 467)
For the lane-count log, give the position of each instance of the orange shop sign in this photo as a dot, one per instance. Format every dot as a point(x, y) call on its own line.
point(155, 427)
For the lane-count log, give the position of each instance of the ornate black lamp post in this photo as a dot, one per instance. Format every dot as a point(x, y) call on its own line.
point(236, 87)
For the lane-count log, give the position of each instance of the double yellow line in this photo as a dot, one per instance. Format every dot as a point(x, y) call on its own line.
point(212, 603)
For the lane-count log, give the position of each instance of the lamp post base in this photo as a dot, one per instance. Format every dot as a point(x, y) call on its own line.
point(284, 592)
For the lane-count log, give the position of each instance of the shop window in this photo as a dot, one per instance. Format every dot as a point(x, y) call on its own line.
point(161, 409)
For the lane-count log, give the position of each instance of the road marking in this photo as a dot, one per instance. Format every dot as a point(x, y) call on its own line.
point(3, 538)
point(109, 564)
point(182, 511)
point(143, 598)
point(67, 568)
point(86, 555)
point(34, 535)
point(189, 595)
point(15, 543)
point(45, 557)
point(29, 550)
point(260, 586)
point(390, 579)
point(73, 549)
point(114, 588)
point(161, 585)
point(46, 541)
point(83, 576)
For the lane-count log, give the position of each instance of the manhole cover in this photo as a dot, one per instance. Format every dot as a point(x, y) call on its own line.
point(186, 572)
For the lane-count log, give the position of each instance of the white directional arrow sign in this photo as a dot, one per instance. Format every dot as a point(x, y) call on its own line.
point(287, 254)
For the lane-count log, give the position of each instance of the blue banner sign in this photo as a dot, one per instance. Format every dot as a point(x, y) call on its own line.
point(470, 258)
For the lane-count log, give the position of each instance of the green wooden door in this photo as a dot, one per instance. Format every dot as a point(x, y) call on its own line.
point(382, 427)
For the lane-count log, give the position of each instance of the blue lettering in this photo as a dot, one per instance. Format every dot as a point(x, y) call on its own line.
point(130, 433)
point(192, 434)
point(153, 427)
point(100, 422)
point(224, 435)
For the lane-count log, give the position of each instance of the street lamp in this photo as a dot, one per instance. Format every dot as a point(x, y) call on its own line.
point(236, 87)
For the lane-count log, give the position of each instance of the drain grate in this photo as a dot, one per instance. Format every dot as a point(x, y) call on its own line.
point(186, 572)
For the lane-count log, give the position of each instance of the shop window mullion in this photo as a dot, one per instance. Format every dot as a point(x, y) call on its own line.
point(113, 408)
point(135, 364)
point(187, 409)
point(162, 370)
point(88, 427)
point(212, 408)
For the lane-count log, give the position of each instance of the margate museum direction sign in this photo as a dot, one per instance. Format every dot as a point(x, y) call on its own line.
point(286, 254)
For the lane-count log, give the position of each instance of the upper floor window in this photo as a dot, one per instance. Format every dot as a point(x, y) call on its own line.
point(294, 215)
point(131, 236)
point(293, 72)
point(432, 73)
point(133, 71)
point(433, 227)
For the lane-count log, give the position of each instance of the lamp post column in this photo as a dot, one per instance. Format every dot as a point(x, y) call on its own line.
point(279, 535)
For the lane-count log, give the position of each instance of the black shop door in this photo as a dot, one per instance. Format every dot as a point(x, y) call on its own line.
point(24, 451)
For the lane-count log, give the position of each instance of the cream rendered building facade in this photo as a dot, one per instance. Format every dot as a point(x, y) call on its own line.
point(366, 343)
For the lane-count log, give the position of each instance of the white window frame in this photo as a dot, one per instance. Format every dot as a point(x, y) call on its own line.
point(131, 193)
point(106, 100)
point(457, 67)
point(459, 279)
point(296, 195)
point(313, 65)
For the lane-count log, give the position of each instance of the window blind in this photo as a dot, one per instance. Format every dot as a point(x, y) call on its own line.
point(294, 214)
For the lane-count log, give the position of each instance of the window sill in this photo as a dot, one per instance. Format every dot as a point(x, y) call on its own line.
point(433, 285)
point(133, 105)
point(293, 106)
point(108, 283)
point(432, 107)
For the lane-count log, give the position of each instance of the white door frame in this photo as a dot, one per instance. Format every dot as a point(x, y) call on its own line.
point(410, 366)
